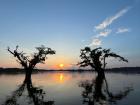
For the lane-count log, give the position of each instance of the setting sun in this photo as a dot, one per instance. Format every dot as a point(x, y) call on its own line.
point(61, 65)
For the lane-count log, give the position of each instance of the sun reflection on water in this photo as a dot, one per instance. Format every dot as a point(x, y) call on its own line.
point(61, 77)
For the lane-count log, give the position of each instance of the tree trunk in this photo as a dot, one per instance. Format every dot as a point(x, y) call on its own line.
point(104, 64)
point(28, 74)
point(99, 85)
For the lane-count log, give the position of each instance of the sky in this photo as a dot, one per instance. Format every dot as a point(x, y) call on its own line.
point(68, 26)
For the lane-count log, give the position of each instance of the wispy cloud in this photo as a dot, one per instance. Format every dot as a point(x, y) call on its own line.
point(96, 42)
point(111, 19)
point(104, 33)
point(122, 30)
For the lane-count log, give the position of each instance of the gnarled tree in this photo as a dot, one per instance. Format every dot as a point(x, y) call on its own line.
point(96, 58)
point(28, 63)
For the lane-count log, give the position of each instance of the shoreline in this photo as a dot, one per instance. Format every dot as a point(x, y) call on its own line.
point(113, 70)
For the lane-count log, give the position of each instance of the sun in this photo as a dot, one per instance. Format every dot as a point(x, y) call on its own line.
point(61, 65)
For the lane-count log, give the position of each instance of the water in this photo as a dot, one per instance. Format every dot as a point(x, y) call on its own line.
point(63, 88)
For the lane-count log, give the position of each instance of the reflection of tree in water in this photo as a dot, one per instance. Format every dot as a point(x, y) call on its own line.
point(93, 92)
point(35, 94)
point(96, 59)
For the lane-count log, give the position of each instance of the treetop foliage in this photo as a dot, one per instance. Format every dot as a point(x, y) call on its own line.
point(29, 62)
point(96, 57)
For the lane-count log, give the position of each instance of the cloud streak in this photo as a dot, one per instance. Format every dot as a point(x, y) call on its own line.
point(96, 42)
point(122, 30)
point(104, 33)
point(110, 20)
point(101, 30)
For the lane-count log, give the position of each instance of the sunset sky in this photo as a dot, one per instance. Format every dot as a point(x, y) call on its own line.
point(67, 26)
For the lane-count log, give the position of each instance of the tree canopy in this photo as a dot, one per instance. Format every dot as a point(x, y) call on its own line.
point(30, 62)
point(96, 57)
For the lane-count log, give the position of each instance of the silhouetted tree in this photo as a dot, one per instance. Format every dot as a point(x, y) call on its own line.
point(96, 58)
point(30, 62)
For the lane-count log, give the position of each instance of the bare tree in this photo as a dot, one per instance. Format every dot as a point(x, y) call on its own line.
point(30, 62)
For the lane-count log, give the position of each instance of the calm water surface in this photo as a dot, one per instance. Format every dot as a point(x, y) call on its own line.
point(64, 88)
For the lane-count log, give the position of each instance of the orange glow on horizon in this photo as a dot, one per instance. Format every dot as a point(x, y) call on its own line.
point(61, 65)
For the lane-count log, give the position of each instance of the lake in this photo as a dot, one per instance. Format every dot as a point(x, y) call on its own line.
point(64, 88)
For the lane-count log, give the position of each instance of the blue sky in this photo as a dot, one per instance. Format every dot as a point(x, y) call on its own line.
point(69, 25)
